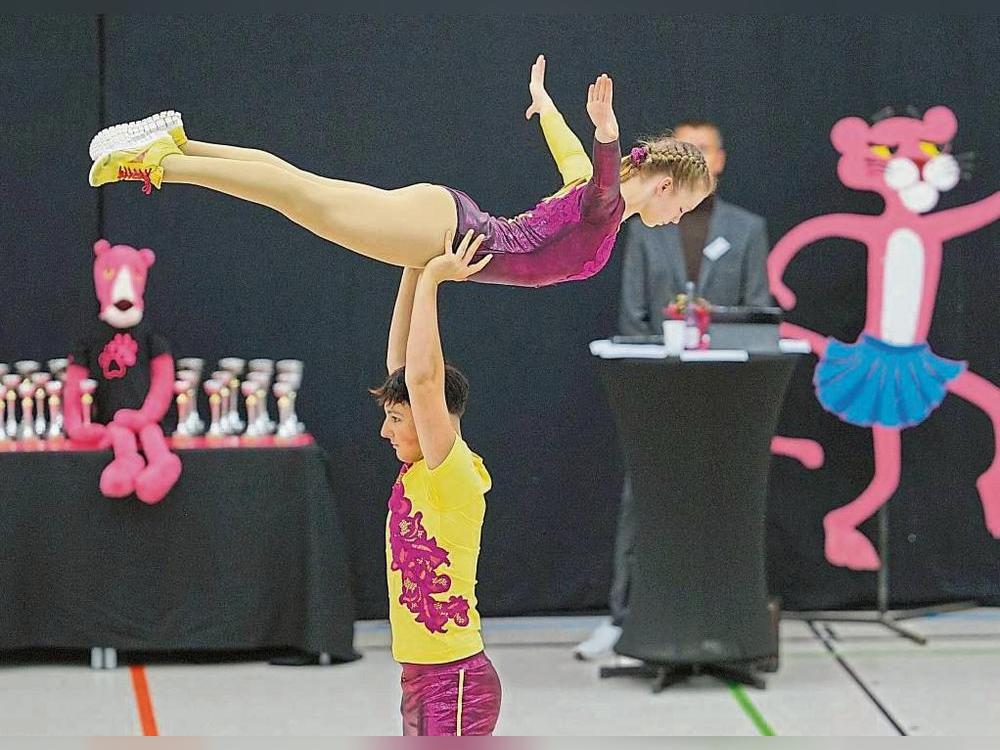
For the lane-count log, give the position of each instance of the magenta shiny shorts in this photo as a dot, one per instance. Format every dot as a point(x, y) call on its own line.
point(458, 698)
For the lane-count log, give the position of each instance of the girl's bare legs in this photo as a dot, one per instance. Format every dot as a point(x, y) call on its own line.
point(404, 227)
point(239, 153)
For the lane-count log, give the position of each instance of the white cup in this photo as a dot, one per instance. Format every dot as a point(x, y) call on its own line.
point(673, 337)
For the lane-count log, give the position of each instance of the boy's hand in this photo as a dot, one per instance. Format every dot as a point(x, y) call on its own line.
point(457, 265)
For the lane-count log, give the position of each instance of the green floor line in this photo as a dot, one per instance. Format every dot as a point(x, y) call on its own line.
point(751, 710)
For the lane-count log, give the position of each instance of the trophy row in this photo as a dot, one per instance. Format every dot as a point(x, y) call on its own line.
point(236, 378)
point(32, 388)
point(31, 405)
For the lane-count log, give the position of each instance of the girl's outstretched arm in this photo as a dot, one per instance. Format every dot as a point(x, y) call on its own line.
point(603, 192)
point(567, 151)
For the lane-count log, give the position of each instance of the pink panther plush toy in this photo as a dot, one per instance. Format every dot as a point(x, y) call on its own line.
point(134, 370)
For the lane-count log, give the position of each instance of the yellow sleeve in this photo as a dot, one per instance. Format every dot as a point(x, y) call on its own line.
point(459, 479)
point(570, 157)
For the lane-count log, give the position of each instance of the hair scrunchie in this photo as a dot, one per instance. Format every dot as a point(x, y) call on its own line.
point(638, 155)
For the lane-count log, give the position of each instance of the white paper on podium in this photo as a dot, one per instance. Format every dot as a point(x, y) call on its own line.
point(715, 355)
point(607, 349)
point(794, 346)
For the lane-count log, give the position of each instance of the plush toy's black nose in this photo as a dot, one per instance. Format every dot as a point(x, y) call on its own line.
point(124, 305)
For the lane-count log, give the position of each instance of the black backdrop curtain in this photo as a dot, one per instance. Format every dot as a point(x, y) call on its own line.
point(398, 100)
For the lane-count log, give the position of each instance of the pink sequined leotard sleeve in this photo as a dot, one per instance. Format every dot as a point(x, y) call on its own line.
point(565, 238)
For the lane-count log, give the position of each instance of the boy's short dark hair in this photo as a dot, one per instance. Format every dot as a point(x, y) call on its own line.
point(456, 390)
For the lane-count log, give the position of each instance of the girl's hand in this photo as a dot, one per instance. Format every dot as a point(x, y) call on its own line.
point(540, 99)
point(599, 108)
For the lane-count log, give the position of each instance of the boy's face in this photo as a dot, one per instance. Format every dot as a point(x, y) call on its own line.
point(399, 430)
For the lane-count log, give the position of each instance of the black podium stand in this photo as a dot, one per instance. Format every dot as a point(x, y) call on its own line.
point(696, 439)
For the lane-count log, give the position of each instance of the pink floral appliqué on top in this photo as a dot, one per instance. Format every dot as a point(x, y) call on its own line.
point(418, 558)
point(118, 355)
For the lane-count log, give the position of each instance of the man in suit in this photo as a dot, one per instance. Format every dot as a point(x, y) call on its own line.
point(719, 246)
point(723, 249)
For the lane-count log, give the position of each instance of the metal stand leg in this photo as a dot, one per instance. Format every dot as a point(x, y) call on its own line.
point(664, 675)
point(883, 615)
point(103, 657)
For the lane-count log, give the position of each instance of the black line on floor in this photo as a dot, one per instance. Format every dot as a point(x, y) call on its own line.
point(860, 683)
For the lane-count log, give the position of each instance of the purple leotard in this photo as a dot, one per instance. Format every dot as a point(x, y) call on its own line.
point(565, 238)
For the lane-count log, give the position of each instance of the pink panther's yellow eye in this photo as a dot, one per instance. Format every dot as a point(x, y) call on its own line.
point(109, 273)
point(931, 149)
point(882, 151)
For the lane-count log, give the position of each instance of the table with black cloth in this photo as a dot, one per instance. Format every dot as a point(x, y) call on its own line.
point(696, 438)
point(247, 552)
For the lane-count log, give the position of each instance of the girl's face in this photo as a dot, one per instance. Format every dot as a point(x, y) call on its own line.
point(668, 203)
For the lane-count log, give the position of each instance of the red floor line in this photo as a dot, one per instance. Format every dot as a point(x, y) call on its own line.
point(143, 702)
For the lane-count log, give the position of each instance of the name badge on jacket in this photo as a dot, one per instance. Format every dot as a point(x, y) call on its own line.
point(716, 248)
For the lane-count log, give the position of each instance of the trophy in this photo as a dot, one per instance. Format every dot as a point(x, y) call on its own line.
point(196, 366)
point(183, 399)
point(26, 368)
point(10, 384)
point(39, 380)
point(262, 381)
point(288, 424)
point(234, 366)
point(54, 390)
point(290, 371)
point(193, 424)
point(222, 377)
point(261, 367)
point(294, 381)
point(250, 390)
point(26, 429)
point(213, 389)
point(87, 389)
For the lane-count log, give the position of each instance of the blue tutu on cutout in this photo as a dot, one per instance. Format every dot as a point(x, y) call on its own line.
point(872, 382)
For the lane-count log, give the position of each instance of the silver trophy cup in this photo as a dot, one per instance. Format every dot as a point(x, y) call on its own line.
point(54, 390)
point(294, 382)
point(11, 383)
point(223, 378)
point(26, 427)
point(39, 380)
point(213, 389)
point(234, 366)
point(262, 381)
point(193, 424)
point(88, 388)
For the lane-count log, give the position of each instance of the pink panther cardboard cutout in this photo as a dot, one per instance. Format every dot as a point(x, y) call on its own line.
point(889, 379)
